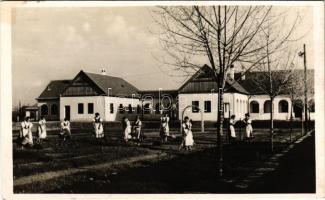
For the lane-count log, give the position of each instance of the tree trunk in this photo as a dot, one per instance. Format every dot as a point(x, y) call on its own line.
point(291, 121)
point(220, 132)
point(271, 124)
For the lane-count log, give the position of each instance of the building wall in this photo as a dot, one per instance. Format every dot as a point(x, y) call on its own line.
point(239, 110)
point(116, 101)
point(261, 115)
point(99, 106)
point(49, 103)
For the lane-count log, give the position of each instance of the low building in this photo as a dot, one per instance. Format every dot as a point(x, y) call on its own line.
point(113, 98)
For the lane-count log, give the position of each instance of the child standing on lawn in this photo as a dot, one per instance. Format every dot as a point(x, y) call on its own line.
point(126, 128)
point(249, 128)
point(65, 133)
point(26, 136)
point(41, 130)
point(164, 127)
point(188, 135)
point(137, 128)
point(232, 128)
point(98, 126)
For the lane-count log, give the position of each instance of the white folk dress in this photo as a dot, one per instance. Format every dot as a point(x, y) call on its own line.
point(249, 128)
point(188, 136)
point(65, 128)
point(98, 127)
point(232, 128)
point(137, 128)
point(42, 129)
point(26, 133)
point(165, 125)
point(127, 130)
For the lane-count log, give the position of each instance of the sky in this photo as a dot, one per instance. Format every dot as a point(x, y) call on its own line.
point(56, 43)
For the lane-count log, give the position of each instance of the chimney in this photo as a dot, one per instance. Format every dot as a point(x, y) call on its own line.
point(242, 74)
point(103, 71)
point(231, 73)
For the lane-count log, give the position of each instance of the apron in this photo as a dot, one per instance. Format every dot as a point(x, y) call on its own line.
point(42, 129)
point(188, 140)
point(98, 126)
point(26, 133)
point(127, 130)
point(232, 128)
point(249, 128)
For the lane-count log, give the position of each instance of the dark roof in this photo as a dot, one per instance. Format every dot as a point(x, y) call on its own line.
point(205, 74)
point(249, 84)
point(119, 86)
point(54, 89)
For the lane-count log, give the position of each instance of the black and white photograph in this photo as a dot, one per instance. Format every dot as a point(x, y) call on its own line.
point(192, 98)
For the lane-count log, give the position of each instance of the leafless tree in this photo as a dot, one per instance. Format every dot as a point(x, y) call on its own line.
point(296, 92)
point(223, 36)
point(277, 66)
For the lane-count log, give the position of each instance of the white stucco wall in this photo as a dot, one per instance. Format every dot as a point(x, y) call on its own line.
point(277, 116)
point(115, 116)
point(99, 106)
point(229, 98)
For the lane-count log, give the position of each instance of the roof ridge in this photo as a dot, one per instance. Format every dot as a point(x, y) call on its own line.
point(87, 72)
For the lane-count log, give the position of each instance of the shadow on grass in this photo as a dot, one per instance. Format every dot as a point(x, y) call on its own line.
point(187, 173)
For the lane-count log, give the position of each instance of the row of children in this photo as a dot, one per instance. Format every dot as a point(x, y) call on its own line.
point(129, 132)
point(25, 138)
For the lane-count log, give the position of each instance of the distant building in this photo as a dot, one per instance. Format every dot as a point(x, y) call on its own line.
point(113, 97)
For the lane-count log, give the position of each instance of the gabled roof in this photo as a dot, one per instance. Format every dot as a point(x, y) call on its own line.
point(119, 87)
point(205, 73)
point(54, 89)
point(102, 83)
point(249, 84)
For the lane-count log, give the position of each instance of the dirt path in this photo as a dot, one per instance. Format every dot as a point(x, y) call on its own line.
point(55, 174)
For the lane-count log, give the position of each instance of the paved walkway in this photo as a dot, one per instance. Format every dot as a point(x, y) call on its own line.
point(296, 172)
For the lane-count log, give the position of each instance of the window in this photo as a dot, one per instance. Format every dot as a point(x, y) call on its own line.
point(121, 108)
point(44, 110)
point(90, 108)
point(267, 105)
point(283, 106)
point(195, 106)
point(207, 106)
point(130, 108)
point(80, 108)
point(254, 107)
point(54, 109)
point(111, 108)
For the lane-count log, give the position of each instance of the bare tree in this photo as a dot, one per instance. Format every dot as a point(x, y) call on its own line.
point(221, 35)
point(296, 91)
point(277, 65)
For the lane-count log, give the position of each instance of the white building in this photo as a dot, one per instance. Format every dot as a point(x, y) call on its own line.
point(113, 98)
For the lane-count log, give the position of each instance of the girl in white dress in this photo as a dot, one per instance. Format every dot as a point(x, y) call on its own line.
point(41, 130)
point(65, 130)
point(26, 135)
point(164, 128)
point(127, 129)
point(249, 128)
point(98, 126)
point(232, 127)
point(188, 135)
point(137, 128)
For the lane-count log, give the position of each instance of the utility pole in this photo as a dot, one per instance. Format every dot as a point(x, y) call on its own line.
point(305, 84)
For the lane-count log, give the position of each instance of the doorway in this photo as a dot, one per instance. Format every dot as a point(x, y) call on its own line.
point(67, 112)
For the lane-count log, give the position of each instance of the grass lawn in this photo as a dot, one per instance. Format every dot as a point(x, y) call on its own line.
point(175, 172)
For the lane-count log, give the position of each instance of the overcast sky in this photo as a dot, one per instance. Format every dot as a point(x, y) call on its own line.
point(56, 43)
